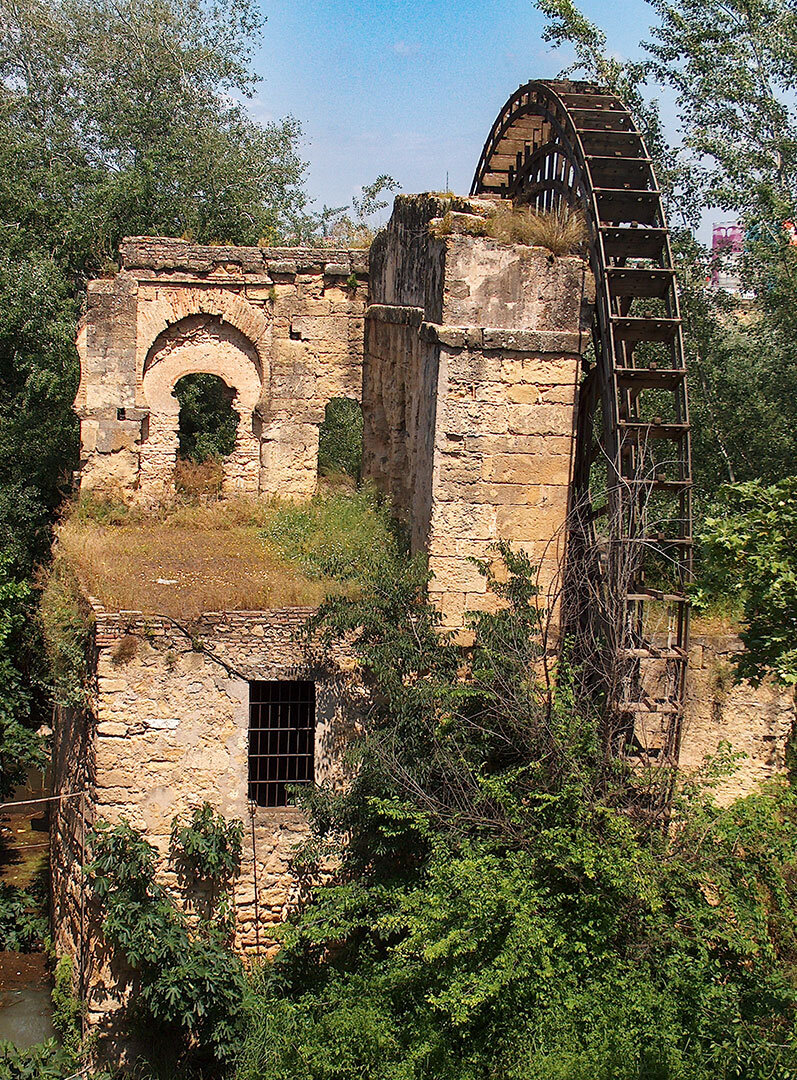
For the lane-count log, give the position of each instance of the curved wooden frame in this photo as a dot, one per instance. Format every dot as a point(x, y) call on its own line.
point(572, 143)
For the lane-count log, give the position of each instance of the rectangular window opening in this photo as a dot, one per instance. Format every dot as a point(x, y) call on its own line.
point(281, 739)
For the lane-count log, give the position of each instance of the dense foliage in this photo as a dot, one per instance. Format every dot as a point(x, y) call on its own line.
point(497, 912)
point(208, 422)
point(191, 983)
point(751, 543)
point(23, 917)
point(340, 439)
point(115, 119)
point(348, 536)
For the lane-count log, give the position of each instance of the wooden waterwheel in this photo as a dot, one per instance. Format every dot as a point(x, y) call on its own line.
point(570, 144)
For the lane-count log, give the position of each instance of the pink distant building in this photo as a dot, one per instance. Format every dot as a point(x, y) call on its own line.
point(727, 242)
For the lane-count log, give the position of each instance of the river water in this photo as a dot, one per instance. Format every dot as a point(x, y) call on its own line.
point(25, 1008)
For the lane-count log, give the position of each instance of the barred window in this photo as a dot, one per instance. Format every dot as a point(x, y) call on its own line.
point(281, 739)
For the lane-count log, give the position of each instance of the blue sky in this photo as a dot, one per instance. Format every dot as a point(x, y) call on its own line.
point(407, 87)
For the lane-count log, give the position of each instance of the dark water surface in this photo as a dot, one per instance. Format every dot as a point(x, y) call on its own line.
point(25, 1008)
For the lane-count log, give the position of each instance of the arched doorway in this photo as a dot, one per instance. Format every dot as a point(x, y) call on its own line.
point(224, 380)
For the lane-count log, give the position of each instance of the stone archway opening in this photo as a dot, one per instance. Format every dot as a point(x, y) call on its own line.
point(202, 381)
point(207, 427)
point(340, 442)
point(207, 424)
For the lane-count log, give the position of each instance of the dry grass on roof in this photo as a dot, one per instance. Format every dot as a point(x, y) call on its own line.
point(562, 231)
point(185, 560)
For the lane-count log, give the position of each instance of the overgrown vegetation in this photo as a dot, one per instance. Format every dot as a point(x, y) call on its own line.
point(192, 985)
point(497, 912)
point(66, 621)
point(750, 541)
point(208, 422)
point(23, 917)
point(562, 231)
point(350, 537)
point(192, 556)
point(340, 440)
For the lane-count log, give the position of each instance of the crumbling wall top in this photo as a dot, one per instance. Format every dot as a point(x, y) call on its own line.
point(159, 254)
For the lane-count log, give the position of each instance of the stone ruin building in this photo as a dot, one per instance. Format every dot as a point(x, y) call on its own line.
point(465, 352)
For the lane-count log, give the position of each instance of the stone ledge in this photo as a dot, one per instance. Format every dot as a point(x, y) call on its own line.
point(395, 313)
point(493, 339)
point(165, 253)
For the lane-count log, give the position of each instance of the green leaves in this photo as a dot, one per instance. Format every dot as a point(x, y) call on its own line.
point(751, 545)
point(496, 910)
point(190, 980)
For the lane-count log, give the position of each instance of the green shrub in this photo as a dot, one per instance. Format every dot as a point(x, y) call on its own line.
point(749, 548)
point(45, 1061)
point(191, 983)
point(67, 1009)
point(350, 537)
point(208, 422)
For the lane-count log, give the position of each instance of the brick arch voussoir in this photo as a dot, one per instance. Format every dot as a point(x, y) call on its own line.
point(234, 310)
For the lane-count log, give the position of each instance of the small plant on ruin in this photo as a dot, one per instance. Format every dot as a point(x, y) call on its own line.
point(67, 1008)
point(191, 983)
point(562, 231)
point(66, 624)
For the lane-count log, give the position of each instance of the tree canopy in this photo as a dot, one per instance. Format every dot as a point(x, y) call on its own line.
point(116, 118)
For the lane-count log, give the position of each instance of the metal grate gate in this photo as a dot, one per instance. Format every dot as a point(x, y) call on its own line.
point(281, 739)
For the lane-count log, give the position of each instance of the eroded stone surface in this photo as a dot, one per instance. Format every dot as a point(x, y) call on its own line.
point(472, 358)
point(282, 327)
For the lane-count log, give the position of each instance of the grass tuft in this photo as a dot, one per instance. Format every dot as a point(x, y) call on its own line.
point(198, 480)
point(562, 232)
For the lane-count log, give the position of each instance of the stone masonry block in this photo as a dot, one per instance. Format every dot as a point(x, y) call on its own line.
point(540, 418)
point(527, 469)
point(540, 371)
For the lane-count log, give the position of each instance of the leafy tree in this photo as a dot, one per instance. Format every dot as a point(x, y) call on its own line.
point(732, 67)
point(751, 542)
point(115, 118)
point(349, 226)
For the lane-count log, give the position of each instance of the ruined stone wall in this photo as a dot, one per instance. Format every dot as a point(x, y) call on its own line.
point(168, 729)
point(283, 327)
point(472, 358)
point(756, 720)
